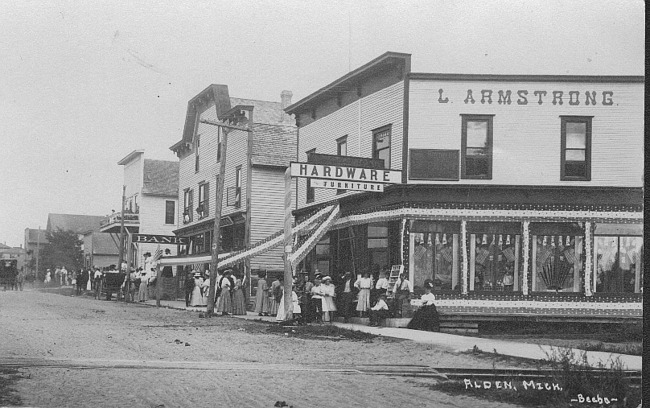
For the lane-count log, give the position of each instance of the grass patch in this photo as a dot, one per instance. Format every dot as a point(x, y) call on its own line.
point(8, 394)
point(571, 382)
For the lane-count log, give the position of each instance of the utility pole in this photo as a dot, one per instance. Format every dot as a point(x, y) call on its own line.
point(216, 240)
point(288, 248)
point(121, 256)
point(216, 236)
point(38, 242)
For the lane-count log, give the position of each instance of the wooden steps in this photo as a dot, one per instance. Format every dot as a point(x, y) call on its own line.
point(456, 327)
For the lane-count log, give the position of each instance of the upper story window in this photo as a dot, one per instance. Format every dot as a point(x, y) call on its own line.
point(197, 145)
point(476, 147)
point(170, 212)
point(311, 191)
point(341, 150)
point(576, 148)
point(238, 187)
point(188, 201)
point(381, 144)
point(204, 197)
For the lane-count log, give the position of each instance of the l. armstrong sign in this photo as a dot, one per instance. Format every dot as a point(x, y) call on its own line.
point(359, 174)
point(347, 185)
point(159, 239)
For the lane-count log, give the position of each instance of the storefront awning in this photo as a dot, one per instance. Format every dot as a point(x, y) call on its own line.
point(189, 260)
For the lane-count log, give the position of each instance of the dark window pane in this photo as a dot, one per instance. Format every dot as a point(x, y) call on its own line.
point(477, 166)
point(575, 169)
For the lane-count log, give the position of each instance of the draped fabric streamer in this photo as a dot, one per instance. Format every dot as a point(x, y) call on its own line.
point(463, 240)
point(526, 244)
point(311, 242)
point(588, 259)
point(268, 244)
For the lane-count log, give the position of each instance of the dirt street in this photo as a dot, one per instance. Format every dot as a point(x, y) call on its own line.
point(81, 352)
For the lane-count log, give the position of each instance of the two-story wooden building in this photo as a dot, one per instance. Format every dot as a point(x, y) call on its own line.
point(519, 192)
point(150, 203)
point(257, 156)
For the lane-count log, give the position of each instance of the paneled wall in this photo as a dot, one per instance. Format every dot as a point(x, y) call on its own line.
point(527, 134)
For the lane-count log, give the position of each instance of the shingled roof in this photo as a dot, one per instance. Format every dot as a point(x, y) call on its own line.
point(79, 224)
point(160, 178)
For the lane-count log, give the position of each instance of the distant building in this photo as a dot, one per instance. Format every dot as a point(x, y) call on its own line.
point(151, 203)
point(256, 160)
point(100, 249)
point(35, 239)
point(79, 224)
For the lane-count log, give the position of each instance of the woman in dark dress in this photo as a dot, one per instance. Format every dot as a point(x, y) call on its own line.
point(426, 317)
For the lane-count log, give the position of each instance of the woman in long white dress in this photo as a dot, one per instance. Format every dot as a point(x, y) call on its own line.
point(197, 298)
point(363, 284)
point(328, 292)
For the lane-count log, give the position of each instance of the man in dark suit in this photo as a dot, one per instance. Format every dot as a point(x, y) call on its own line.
point(346, 293)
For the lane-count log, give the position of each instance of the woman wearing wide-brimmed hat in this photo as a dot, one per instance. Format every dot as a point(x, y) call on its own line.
point(328, 292)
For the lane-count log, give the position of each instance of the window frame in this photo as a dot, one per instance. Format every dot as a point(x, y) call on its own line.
point(188, 203)
point(463, 149)
point(170, 215)
point(204, 199)
point(375, 134)
point(587, 120)
point(238, 174)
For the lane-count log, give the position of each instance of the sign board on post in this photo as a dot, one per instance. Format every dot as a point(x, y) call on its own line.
point(159, 239)
point(358, 174)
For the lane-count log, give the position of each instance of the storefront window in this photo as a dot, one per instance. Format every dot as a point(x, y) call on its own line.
point(557, 263)
point(319, 258)
point(619, 264)
point(378, 247)
point(494, 262)
point(434, 254)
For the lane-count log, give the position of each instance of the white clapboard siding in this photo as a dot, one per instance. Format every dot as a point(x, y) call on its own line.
point(356, 121)
point(267, 213)
point(527, 138)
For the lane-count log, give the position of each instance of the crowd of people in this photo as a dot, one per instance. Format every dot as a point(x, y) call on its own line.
point(230, 297)
point(321, 299)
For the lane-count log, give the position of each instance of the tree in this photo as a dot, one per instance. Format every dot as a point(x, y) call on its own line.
point(63, 249)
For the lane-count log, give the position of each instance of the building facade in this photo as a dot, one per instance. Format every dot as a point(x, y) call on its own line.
point(524, 188)
point(261, 141)
point(151, 203)
point(35, 239)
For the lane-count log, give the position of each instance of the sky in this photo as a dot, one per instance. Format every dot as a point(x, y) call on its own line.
point(82, 84)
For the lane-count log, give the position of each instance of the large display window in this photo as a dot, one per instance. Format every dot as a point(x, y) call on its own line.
point(557, 256)
point(434, 254)
point(618, 258)
point(494, 256)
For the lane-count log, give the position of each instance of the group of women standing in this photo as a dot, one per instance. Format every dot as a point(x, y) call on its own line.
point(230, 293)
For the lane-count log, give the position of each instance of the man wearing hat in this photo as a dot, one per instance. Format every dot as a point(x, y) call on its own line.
point(379, 310)
point(346, 292)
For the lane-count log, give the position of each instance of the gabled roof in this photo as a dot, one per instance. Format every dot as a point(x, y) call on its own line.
point(103, 244)
point(160, 178)
point(79, 224)
point(129, 157)
point(352, 79)
point(215, 92)
point(3, 246)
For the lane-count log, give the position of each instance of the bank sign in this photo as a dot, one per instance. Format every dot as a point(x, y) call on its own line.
point(159, 239)
point(359, 175)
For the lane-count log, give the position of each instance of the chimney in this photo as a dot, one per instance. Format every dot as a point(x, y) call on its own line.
point(285, 97)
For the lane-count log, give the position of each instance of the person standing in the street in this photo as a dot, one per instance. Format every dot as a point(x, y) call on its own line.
point(197, 298)
point(224, 301)
point(262, 295)
point(238, 298)
point(317, 300)
point(363, 284)
point(142, 289)
point(328, 292)
point(97, 282)
point(64, 276)
point(273, 299)
point(57, 276)
point(346, 294)
point(189, 287)
point(89, 280)
point(402, 292)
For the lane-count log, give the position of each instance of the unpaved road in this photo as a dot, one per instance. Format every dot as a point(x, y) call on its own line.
point(81, 352)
